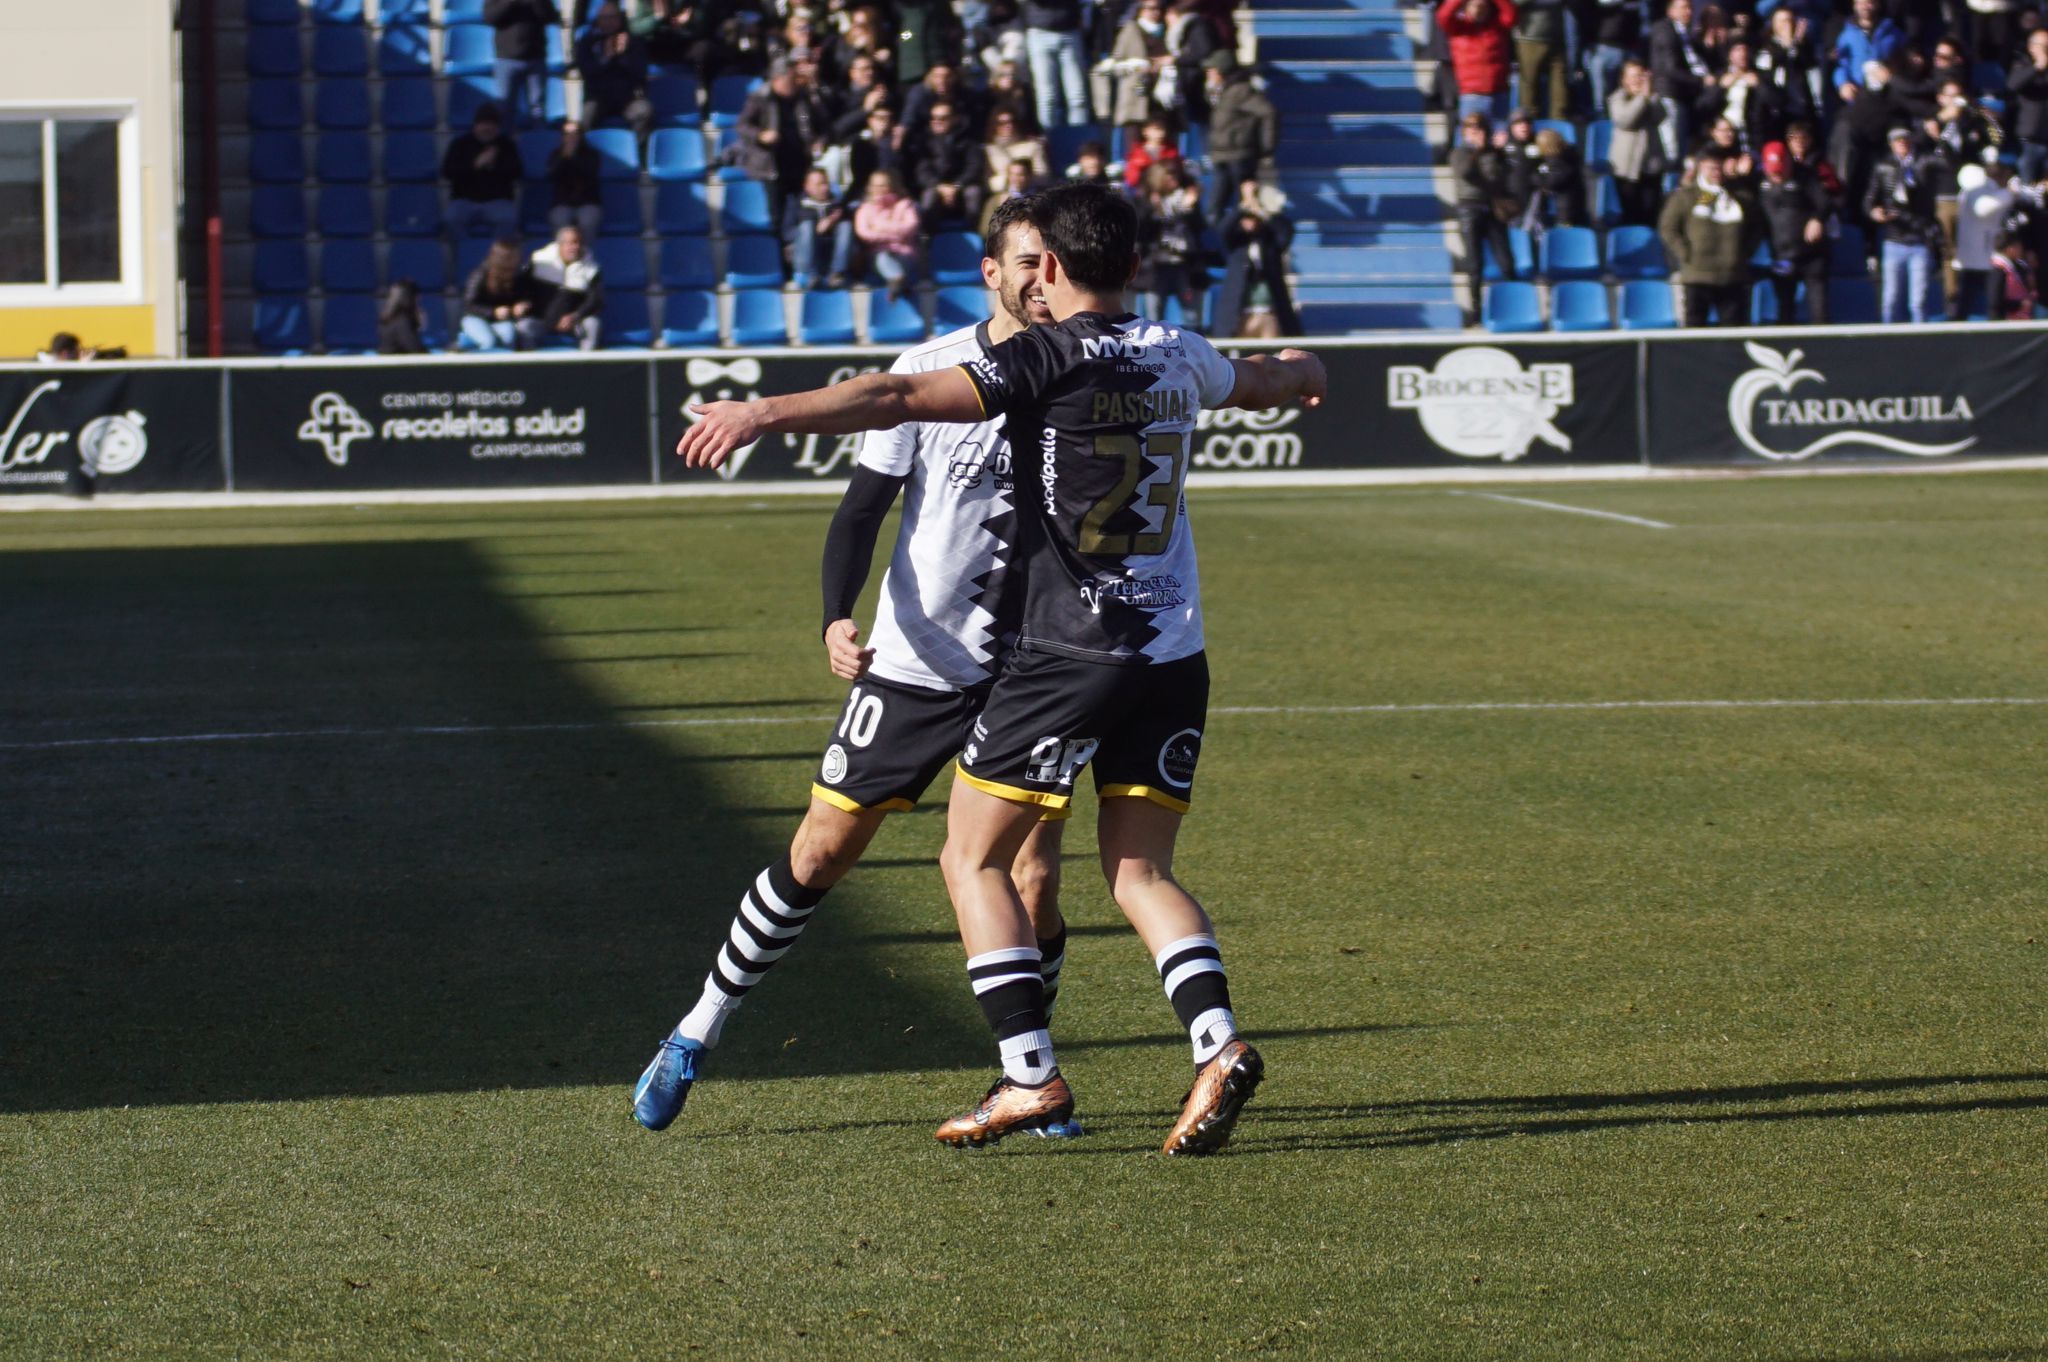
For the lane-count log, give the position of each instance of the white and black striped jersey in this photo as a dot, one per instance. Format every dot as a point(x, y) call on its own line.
point(939, 622)
point(1101, 412)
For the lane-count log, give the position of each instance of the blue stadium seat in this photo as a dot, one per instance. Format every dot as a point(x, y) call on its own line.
point(280, 267)
point(686, 264)
point(1569, 253)
point(894, 323)
point(272, 52)
point(1988, 78)
point(958, 307)
point(341, 105)
point(746, 211)
point(420, 261)
point(271, 12)
point(536, 201)
point(405, 50)
point(1848, 257)
point(467, 94)
point(282, 326)
point(1852, 302)
point(1636, 253)
point(621, 204)
point(1600, 146)
point(348, 267)
point(433, 322)
point(753, 262)
point(625, 319)
point(340, 52)
point(1063, 144)
point(557, 101)
point(618, 155)
point(956, 258)
point(462, 11)
point(623, 263)
point(676, 154)
point(724, 166)
point(682, 210)
point(1177, 313)
point(409, 103)
point(343, 158)
point(467, 49)
point(277, 158)
point(757, 318)
point(277, 211)
point(1194, 144)
point(337, 11)
point(412, 210)
point(1763, 305)
point(675, 100)
point(344, 210)
point(826, 318)
point(689, 319)
point(1521, 250)
point(275, 104)
point(404, 12)
point(1606, 202)
point(728, 95)
point(1580, 305)
point(469, 253)
point(534, 149)
point(411, 158)
point(1512, 308)
point(1646, 306)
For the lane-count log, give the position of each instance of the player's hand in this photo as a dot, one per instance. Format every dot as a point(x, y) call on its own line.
point(1315, 383)
point(721, 428)
point(842, 647)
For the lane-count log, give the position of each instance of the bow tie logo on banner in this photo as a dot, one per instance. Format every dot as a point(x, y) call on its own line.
point(719, 381)
point(702, 373)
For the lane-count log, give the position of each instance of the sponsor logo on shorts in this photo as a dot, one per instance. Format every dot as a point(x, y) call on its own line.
point(1177, 757)
point(1054, 762)
point(1140, 593)
point(834, 769)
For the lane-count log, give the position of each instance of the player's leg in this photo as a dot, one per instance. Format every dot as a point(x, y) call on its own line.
point(1036, 874)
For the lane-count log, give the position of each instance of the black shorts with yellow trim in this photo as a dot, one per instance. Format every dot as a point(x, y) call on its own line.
point(1050, 716)
point(890, 742)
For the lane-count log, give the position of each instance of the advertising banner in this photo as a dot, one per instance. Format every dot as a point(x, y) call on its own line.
point(682, 383)
point(139, 430)
point(1929, 394)
point(312, 428)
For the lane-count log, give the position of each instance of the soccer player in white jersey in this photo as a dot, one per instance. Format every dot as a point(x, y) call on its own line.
point(1109, 665)
point(940, 623)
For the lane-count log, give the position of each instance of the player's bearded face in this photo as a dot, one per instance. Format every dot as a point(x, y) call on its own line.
point(1021, 291)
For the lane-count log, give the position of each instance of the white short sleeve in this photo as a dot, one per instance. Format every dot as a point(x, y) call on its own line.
point(1215, 376)
point(892, 452)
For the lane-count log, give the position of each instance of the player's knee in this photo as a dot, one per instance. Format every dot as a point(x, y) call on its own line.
point(1130, 877)
point(820, 858)
point(959, 866)
point(1038, 884)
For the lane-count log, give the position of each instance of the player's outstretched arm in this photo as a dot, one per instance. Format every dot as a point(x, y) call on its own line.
point(1275, 380)
point(870, 402)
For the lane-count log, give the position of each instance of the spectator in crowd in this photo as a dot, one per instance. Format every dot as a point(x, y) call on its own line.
point(1009, 92)
point(1968, 134)
point(796, 41)
point(1616, 32)
point(927, 35)
point(1983, 203)
point(65, 348)
point(1007, 143)
point(1900, 201)
point(483, 172)
point(1052, 37)
point(1795, 213)
point(1018, 182)
point(1477, 31)
point(941, 85)
point(1091, 164)
point(498, 296)
point(887, 223)
point(1169, 240)
point(817, 233)
point(1738, 167)
point(2014, 294)
point(689, 33)
point(613, 64)
point(1255, 300)
point(1805, 153)
point(574, 183)
point(1539, 53)
point(568, 293)
point(1139, 56)
point(1155, 147)
point(781, 129)
point(1679, 75)
point(879, 147)
point(1711, 232)
point(1740, 97)
point(1554, 192)
point(1866, 38)
point(524, 28)
point(860, 41)
point(950, 172)
point(1637, 149)
point(863, 91)
point(1990, 27)
point(1785, 61)
point(1244, 130)
point(400, 320)
point(1484, 205)
point(2028, 86)
point(1858, 138)
point(1951, 65)
point(1191, 40)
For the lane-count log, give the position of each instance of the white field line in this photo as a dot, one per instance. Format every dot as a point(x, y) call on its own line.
point(825, 716)
point(1573, 510)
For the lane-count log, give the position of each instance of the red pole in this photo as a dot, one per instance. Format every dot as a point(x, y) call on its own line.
point(209, 126)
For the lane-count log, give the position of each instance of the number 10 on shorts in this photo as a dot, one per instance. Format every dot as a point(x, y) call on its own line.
point(1054, 762)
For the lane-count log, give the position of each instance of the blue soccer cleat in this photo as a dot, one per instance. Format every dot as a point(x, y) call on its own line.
point(658, 1097)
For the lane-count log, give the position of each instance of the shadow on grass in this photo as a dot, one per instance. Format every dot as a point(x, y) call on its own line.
point(386, 913)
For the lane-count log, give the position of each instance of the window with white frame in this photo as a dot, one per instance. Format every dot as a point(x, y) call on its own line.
point(68, 210)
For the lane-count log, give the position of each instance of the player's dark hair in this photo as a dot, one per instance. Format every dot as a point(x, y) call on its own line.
point(1008, 214)
point(1094, 232)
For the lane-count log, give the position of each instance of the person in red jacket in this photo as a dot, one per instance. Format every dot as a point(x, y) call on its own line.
point(1479, 35)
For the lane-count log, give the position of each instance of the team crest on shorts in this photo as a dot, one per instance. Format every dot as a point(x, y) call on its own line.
point(834, 769)
point(1177, 758)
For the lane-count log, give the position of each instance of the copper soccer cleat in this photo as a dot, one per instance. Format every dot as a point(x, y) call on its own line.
point(1221, 1089)
point(1007, 1109)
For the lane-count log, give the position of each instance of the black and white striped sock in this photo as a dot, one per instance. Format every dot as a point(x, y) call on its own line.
point(772, 915)
point(1052, 953)
point(1012, 997)
point(1192, 971)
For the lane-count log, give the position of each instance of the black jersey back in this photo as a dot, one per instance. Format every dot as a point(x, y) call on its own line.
point(1101, 415)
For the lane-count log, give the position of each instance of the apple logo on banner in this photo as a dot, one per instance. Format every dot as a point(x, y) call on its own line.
point(1779, 373)
point(1479, 403)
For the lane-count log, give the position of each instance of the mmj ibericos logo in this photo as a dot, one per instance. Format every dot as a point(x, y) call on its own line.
point(1480, 403)
point(1768, 414)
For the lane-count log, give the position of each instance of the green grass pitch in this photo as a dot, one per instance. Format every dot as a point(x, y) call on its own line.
point(1591, 1032)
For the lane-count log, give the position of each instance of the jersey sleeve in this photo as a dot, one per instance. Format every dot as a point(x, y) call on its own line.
point(892, 452)
point(1015, 373)
point(1215, 376)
